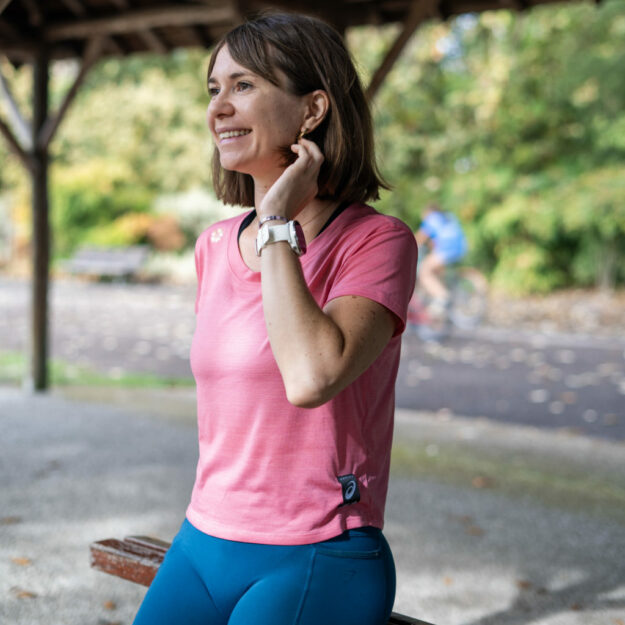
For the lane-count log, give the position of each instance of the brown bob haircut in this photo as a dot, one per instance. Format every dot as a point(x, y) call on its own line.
point(311, 55)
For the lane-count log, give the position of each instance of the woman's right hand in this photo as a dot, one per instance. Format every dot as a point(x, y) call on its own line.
point(297, 185)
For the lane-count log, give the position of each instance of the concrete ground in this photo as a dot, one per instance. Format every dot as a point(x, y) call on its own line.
point(490, 524)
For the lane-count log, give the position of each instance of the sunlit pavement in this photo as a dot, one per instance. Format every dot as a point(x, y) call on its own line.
point(547, 381)
point(552, 381)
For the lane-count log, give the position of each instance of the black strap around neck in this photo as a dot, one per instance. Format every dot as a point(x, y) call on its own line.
point(249, 218)
point(337, 211)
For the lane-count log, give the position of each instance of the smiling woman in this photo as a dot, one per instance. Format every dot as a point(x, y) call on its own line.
point(296, 347)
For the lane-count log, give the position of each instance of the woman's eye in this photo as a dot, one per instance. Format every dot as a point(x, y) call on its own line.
point(213, 91)
point(243, 86)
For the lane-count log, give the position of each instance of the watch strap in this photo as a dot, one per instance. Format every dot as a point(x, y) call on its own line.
point(269, 218)
point(288, 232)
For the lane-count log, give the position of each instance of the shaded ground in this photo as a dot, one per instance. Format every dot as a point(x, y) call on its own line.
point(490, 524)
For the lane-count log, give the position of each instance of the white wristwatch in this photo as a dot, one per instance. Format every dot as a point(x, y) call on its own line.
point(291, 232)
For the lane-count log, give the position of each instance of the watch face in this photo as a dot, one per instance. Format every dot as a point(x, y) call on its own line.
point(299, 236)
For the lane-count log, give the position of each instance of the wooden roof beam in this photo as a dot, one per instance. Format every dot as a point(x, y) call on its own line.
point(16, 148)
point(140, 20)
point(76, 7)
point(35, 15)
point(21, 127)
point(90, 57)
point(115, 48)
point(419, 12)
point(153, 41)
point(9, 30)
point(200, 40)
point(3, 5)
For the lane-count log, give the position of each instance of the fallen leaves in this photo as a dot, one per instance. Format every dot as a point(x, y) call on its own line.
point(469, 526)
point(22, 561)
point(22, 593)
point(482, 481)
point(10, 520)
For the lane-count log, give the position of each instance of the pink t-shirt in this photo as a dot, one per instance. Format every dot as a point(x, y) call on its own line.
point(270, 472)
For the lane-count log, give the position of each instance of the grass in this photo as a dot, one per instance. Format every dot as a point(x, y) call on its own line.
point(13, 367)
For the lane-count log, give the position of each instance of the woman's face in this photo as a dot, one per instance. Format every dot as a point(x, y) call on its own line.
point(250, 118)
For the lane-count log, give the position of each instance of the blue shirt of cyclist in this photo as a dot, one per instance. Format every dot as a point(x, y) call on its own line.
point(446, 234)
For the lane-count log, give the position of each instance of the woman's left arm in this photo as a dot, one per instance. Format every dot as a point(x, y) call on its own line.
point(318, 351)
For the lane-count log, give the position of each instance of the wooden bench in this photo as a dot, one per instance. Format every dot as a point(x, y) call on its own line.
point(137, 558)
point(108, 262)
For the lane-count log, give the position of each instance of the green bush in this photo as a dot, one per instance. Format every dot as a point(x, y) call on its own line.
point(87, 199)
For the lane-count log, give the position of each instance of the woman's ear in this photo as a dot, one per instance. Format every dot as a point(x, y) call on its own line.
point(316, 109)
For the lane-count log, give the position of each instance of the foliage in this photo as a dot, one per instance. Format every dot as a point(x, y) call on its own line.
point(510, 123)
point(146, 112)
point(515, 122)
point(89, 198)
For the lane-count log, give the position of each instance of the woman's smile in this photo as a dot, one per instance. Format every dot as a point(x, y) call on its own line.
point(223, 135)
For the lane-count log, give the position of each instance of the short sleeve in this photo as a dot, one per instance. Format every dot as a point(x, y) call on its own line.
point(381, 266)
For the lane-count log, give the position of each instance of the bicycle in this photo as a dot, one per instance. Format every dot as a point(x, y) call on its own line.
point(468, 289)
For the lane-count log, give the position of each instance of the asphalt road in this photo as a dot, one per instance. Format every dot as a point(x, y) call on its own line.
point(549, 381)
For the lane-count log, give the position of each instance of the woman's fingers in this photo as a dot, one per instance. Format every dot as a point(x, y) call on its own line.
point(308, 153)
point(298, 183)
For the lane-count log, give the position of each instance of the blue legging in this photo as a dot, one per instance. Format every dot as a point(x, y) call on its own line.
point(348, 580)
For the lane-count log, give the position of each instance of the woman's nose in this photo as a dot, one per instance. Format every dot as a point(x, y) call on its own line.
point(220, 105)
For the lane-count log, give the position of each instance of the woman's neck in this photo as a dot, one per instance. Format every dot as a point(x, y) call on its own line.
point(311, 217)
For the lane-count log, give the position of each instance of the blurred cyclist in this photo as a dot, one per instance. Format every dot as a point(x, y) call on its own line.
point(443, 234)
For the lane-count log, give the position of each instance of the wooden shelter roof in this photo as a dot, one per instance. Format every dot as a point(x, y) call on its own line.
point(67, 27)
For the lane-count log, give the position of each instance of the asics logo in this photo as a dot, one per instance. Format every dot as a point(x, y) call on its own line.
point(349, 486)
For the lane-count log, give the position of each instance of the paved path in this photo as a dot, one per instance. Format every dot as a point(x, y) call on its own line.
point(491, 524)
point(547, 380)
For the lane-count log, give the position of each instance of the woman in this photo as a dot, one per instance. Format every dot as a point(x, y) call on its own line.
point(296, 348)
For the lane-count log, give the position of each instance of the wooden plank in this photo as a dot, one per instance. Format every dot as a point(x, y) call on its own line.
point(137, 559)
point(135, 563)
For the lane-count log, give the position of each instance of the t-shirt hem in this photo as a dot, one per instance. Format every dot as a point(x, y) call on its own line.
point(331, 530)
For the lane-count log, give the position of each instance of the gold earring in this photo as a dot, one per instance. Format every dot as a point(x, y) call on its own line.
point(301, 134)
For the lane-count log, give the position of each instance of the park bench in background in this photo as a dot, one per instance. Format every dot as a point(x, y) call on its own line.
point(137, 558)
point(120, 263)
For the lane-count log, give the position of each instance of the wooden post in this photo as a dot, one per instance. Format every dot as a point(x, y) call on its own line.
point(41, 228)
